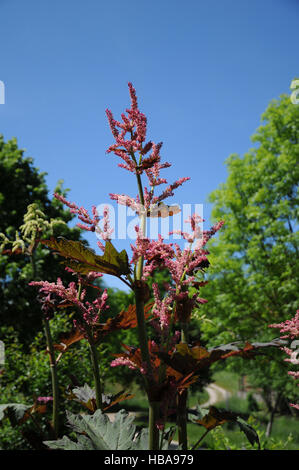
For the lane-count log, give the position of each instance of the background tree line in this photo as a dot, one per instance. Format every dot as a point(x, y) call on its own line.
point(255, 264)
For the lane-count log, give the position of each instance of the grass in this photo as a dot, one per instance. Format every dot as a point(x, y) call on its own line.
point(283, 425)
point(227, 380)
point(235, 404)
point(285, 436)
point(197, 398)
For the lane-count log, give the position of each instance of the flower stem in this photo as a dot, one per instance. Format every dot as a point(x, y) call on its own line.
point(54, 378)
point(201, 439)
point(182, 400)
point(94, 359)
point(182, 418)
point(154, 406)
point(142, 333)
point(96, 374)
point(52, 358)
point(95, 367)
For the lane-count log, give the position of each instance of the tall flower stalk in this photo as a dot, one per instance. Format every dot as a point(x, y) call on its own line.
point(54, 377)
point(47, 309)
point(166, 387)
point(130, 136)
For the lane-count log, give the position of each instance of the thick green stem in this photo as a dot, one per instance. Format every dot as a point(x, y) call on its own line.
point(94, 359)
point(52, 358)
point(182, 400)
point(182, 419)
point(154, 408)
point(54, 378)
point(184, 333)
point(97, 377)
point(95, 370)
point(149, 382)
point(142, 334)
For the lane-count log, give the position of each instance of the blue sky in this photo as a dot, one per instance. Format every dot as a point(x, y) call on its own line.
point(204, 73)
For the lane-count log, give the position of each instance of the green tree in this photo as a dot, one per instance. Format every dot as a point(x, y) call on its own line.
point(21, 184)
point(255, 264)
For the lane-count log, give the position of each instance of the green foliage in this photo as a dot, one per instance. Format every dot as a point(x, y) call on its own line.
point(26, 376)
point(227, 380)
point(35, 224)
point(22, 185)
point(27, 372)
point(223, 439)
point(254, 273)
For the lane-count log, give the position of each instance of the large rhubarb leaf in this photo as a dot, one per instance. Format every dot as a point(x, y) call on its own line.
point(97, 432)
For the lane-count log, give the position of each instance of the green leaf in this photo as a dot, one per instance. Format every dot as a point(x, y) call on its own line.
point(97, 432)
point(83, 443)
point(84, 260)
point(249, 432)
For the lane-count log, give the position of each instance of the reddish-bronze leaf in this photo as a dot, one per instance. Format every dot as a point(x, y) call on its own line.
point(245, 352)
point(173, 378)
point(35, 408)
point(214, 417)
point(125, 319)
point(186, 359)
point(18, 251)
point(68, 339)
point(111, 400)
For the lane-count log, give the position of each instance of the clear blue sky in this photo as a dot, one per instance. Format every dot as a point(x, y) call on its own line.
point(204, 72)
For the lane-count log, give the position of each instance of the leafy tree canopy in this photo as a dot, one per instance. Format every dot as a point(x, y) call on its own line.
point(255, 264)
point(21, 184)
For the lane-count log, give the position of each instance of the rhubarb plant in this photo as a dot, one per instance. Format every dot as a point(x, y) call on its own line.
point(167, 358)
